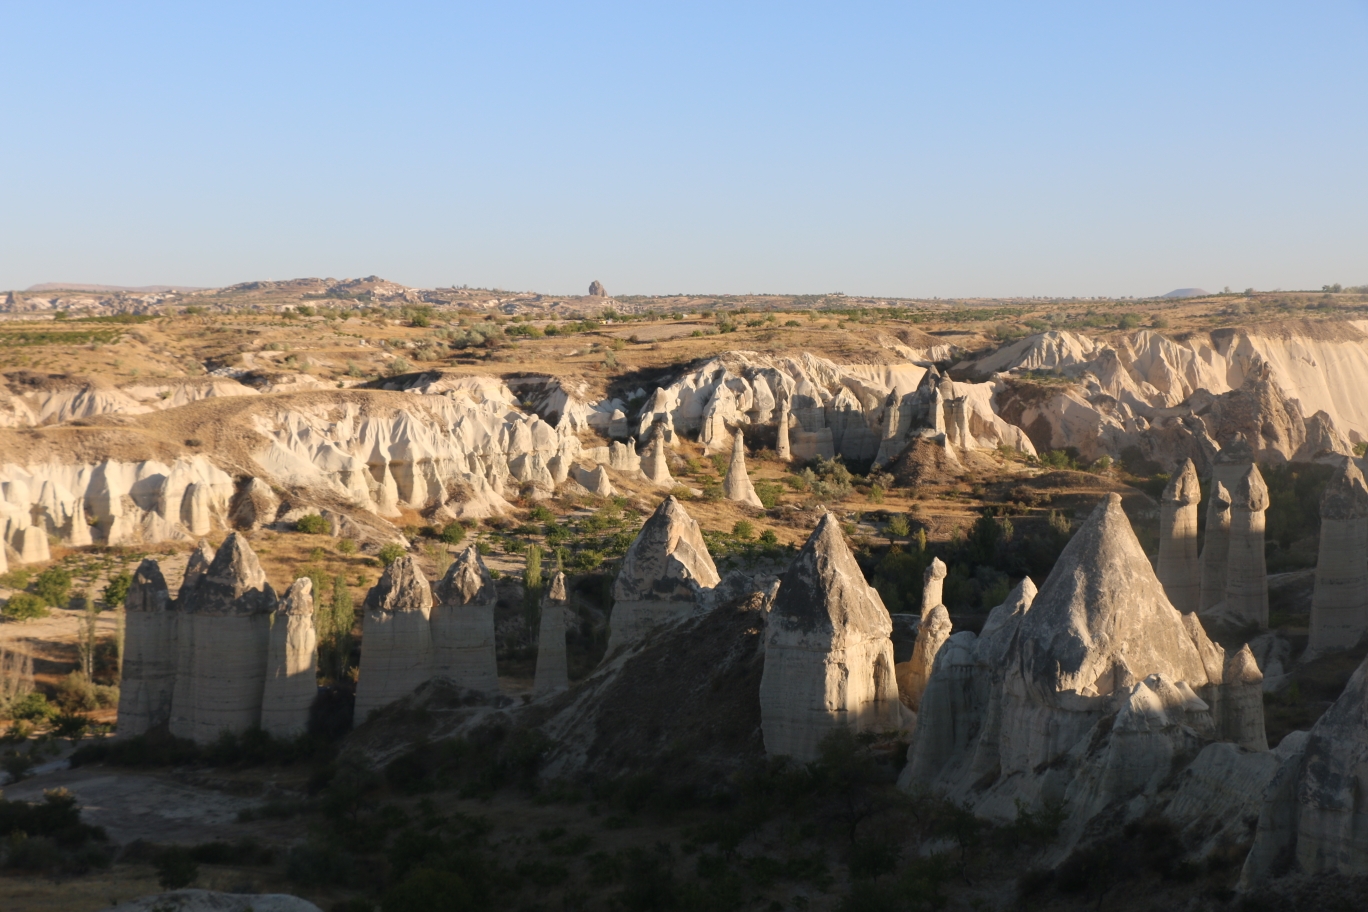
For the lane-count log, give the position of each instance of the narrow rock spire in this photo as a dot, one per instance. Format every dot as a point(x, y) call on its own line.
point(463, 625)
point(553, 675)
point(1215, 549)
point(291, 664)
point(1339, 606)
point(781, 444)
point(737, 486)
point(1179, 568)
point(396, 639)
point(933, 585)
point(656, 465)
point(1246, 601)
point(149, 660)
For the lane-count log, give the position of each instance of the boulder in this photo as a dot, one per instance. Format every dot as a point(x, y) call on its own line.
point(552, 675)
point(596, 289)
point(737, 487)
point(149, 653)
point(828, 652)
point(595, 480)
point(223, 636)
point(463, 625)
point(1339, 605)
point(396, 637)
point(1179, 568)
point(291, 664)
point(665, 575)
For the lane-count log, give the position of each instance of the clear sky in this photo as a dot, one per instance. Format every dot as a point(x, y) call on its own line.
point(957, 148)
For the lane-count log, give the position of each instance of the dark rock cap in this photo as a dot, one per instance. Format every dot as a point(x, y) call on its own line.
point(402, 587)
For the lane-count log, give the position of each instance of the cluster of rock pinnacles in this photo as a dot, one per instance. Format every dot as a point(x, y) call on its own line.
point(1097, 692)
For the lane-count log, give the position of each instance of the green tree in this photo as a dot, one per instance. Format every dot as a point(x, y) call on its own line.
point(391, 552)
point(335, 630)
point(53, 586)
point(898, 527)
point(116, 590)
point(24, 606)
point(453, 533)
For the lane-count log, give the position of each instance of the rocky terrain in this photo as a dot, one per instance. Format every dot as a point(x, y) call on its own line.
point(761, 602)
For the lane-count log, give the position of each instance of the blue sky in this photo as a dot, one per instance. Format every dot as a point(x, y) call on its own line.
point(909, 149)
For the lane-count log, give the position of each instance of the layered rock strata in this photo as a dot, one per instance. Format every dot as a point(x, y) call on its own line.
point(396, 652)
point(665, 575)
point(828, 652)
point(148, 679)
point(1339, 604)
point(737, 486)
point(1179, 567)
point(463, 646)
point(222, 644)
point(291, 664)
point(553, 673)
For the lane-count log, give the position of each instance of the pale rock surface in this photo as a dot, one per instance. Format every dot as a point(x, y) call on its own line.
point(253, 506)
point(656, 466)
point(933, 585)
point(552, 675)
point(781, 438)
point(1339, 605)
point(1179, 567)
point(291, 664)
point(737, 486)
point(149, 661)
point(664, 577)
point(211, 901)
point(222, 643)
point(1315, 814)
point(595, 480)
point(196, 513)
point(396, 637)
point(1246, 599)
point(1241, 701)
point(1215, 550)
point(463, 625)
point(828, 655)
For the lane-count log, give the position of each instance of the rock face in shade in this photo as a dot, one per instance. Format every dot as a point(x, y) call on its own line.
point(1215, 549)
point(596, 289)
point(665, 575)
point(656, 466)
point(291, 664)
point(149, 663)
point(1246, 600)
point(1094, 693)
point(222, 640)
point(781, 438)
point(737, 486)
point(463, 648)
point(1315, 814)
point(1240, 701)
point(1339, 607)
point(396, 637)
point(933, 585)
point(828, 655)
point(1179, 568)
point(196, 509)
point(931, 636)
point(553, 673)
point(253, 506)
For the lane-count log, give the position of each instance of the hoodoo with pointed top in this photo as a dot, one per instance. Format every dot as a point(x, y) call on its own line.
point(553, 674)
point(396, 653)
point(1339, 605)
point(291, 664)
point(1179, 568)
point(463, 644)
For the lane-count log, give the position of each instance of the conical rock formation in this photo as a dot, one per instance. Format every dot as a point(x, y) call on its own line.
point(664, 576)
point(737, 487)
point(291, 664)
point(396, 638)
point(1179, 567)
point(553, 675)
point(828, 655)
point(463, 625)
point(656, 466)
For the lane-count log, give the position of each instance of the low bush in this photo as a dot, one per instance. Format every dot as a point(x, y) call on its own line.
point(24, 606)
point(313, 524)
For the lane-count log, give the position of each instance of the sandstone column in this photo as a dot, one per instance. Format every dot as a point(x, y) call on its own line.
point(781, 444)
point(933, 585)
point(656, 466)
point(1178, 567)
point(149, 661)
point(553, 674)
point(1246, 601)
point(463, 645)
point(1215, 549)
point(1339, 607)
point(737, 486)
point(291, 664)
point(396, 639)
point(934, 630)
point(1242, 712)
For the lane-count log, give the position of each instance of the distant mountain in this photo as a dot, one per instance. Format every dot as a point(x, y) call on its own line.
point(1187, 293)
point(138, 289)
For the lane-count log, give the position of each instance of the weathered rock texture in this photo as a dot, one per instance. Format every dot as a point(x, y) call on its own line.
point(1339, 606)
point(149, 661)
point(1215, 549)
point(1315, 813)
point(664, 576)
point(828, 655)
point(737, 486)
point(396, 637)
point(463, 625)
point(253, 506)
point(1246, 600)
point(912, 675)
point(291, 664)
point(222, 644)
point(1092, 693)
point(656, 465)
point(933, 585)
point(1179, 567)
point(553, 673)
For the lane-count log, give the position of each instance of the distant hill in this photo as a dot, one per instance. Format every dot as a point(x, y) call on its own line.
point(132, 289)
point(1187, 293)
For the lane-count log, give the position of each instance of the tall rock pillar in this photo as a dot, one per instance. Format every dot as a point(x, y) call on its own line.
point(1215, 549)
point(737, 486)
point(1339, 607)
point(463, 625)
point(781, 442)
point(149, 663)
point(396, 638)
point(1246, 601)
point(291, 664)
point(553, 672)
point(1179, 567)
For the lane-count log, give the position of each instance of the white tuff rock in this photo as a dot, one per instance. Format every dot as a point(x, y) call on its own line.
point(737, 486)
point(1179, 568)
point(291, 664)
point(149, 661)
point(396, 638)
point(1339, 606)
point(552, 675)
point(463, 625)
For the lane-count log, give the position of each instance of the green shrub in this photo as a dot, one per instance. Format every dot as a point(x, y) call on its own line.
point(391, 552)
point(53, 586)
point(18, 578)
point(33, 707)
point(453, 533)
point(76, 693)
point(24, 606)
point(346, 546)
point(117, 589)
point(768, 538)
point(313, 524)
point(744, 529)
point(769, 493)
